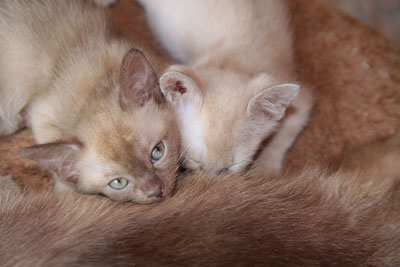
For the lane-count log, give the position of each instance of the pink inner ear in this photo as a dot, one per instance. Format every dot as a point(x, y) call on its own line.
point(174, 88)
point(173, 85)
point(69, 171)
point(179, 87)
point(271, 103)
point(59, 157)
point(138, 81)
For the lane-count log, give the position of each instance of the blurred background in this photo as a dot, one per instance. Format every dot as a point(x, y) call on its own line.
point(383, 15)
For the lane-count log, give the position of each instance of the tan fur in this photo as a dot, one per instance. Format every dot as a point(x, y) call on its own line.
point(356, 83)
point(60, 74)
point(234, 52)
point(104, 3)
point(347, 218)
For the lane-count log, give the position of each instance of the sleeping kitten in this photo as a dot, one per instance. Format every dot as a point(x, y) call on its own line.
point(314, 219)
point(103, 126)
point(237, 83)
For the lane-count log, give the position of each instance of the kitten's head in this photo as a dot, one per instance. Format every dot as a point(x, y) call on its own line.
point(128, 147)
point(224, 116)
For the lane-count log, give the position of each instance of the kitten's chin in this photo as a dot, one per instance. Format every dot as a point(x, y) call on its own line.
point(169, 190)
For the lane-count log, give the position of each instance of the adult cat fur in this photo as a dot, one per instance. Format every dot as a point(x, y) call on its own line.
point(349, 217)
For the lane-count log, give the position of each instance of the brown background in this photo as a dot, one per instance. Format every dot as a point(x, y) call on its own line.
point(383, 15)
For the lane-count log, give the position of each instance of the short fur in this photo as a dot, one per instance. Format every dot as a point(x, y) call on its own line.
point(348, 218)
point(95, 109)
point(236, 89)
point(356, 83)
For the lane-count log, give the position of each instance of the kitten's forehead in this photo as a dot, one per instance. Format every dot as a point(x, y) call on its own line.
point(224, 111)
point(211, 134)
point(127, 137)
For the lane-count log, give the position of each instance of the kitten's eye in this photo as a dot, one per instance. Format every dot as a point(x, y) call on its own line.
point(118, 184)
point(158, 151)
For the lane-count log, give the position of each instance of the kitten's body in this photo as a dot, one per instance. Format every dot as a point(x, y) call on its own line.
point(349, 218)
point(226, 97)
point(61, 74)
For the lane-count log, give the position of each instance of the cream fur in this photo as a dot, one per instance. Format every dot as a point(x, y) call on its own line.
point(104, 3)
point(60, 65)
point(233, 50)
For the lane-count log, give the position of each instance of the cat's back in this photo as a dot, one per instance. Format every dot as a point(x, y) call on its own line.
point(189, 29)
point(43, 27)
point(53, 46)
point(49, 13)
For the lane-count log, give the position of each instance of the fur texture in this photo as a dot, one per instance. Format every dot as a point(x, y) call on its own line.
point(237, 84)
point(338, 125)
point(349, 217)
point(95, 109)
point(356, 83)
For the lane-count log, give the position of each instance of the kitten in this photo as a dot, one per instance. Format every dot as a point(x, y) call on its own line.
point(236, 84)
point(103, 126)
point(312, 219)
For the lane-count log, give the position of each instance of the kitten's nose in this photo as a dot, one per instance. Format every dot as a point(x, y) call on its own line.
point(157, 191)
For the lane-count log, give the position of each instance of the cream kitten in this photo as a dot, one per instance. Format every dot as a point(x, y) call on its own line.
point(103, 126)
point(237, 83)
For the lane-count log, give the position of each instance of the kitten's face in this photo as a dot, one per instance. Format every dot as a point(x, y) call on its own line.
point(133, 157)
point(223, 116)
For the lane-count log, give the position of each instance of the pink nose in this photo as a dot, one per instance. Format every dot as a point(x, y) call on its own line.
point(157, 192)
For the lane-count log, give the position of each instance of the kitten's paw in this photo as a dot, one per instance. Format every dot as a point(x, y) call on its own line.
point(7, 184)
point(11, 127)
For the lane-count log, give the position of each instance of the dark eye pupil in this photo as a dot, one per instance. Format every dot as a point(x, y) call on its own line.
point(158, 151)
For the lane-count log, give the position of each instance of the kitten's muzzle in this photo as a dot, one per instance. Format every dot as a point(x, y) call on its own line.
point(157, 192)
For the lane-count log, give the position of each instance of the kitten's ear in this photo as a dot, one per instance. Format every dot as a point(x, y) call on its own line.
point(180, 88)
point(272, 102)
point(138, 81)
point(58, 157)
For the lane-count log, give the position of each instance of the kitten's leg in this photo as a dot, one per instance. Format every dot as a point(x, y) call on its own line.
point(270, 161)
point(12, 104)
point(14, 97)
point(43, 122)
point(11, 121)
point(22, 77)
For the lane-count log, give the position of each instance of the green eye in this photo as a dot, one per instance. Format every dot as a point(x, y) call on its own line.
point(118, 184)
point(158, 151)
